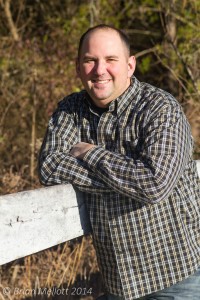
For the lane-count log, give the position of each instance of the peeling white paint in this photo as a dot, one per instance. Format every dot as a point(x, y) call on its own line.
point(32, 221)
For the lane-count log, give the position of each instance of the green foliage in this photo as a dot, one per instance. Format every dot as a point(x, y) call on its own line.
point(3, 63)
point(37, 71)
point(145, 64)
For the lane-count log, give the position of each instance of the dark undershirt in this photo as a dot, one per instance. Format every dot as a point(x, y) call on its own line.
point(99, 110)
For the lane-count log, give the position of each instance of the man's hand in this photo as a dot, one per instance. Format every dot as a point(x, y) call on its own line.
point(80, 149)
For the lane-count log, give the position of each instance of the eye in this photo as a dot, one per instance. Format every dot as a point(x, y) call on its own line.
point(112, 59)
point(89, 60)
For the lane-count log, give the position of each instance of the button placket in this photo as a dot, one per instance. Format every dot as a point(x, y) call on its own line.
point(106, 131)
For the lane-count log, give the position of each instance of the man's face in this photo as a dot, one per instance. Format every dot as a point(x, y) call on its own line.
point(104, 66)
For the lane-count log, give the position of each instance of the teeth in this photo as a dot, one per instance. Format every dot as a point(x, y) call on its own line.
point(101, 81)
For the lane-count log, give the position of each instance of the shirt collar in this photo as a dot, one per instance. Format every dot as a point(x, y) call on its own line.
point(128, 96)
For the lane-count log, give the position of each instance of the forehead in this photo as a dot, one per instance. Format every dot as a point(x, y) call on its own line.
point(102, 32)
point(106, 40)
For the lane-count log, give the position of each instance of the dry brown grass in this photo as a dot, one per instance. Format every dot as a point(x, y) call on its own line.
point(71, 266)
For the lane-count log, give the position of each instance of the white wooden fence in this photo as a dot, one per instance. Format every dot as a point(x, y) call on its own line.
point(32, 221)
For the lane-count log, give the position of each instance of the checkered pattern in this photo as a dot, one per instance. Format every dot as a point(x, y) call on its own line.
point(140, 182)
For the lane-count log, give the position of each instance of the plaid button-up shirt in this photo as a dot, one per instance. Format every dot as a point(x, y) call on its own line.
point(140, 183)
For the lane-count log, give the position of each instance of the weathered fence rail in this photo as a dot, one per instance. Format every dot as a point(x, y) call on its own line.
point(35, 220)
point(32, 221)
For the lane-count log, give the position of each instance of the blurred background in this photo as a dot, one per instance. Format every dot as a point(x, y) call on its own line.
point(38, 47)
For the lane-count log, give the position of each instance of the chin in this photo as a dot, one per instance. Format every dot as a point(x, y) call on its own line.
point(101, 97)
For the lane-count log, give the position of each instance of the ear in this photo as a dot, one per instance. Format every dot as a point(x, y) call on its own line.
point(131, 65)
point(77, 67)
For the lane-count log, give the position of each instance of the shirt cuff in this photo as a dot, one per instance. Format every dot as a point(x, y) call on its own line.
point(93, 156)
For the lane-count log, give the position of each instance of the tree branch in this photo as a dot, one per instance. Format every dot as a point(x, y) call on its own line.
point(11, 25)
point(146, 51)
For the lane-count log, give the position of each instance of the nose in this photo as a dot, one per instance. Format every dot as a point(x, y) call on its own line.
point(100, 67)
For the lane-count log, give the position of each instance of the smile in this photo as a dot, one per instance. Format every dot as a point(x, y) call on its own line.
point(101, 81)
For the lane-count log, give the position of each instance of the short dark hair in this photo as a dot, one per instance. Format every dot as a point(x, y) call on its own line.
point(122, 34)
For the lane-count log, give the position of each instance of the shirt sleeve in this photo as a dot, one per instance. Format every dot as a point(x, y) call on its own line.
point(57, 166)
point(165, 148)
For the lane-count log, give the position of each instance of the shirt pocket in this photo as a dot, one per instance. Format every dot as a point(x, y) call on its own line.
point(130, 144)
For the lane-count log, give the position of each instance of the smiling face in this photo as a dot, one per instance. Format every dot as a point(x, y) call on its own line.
point(104, 66)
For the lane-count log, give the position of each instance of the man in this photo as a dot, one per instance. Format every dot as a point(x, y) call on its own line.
point(127, 146)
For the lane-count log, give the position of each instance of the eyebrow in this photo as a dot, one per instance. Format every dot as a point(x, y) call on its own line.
point(112, 56)
point(87, 56)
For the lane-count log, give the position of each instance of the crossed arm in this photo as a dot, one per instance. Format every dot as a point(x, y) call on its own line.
point(60, 157)
point(149, 178)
